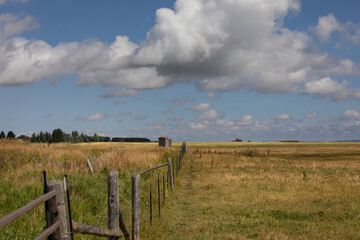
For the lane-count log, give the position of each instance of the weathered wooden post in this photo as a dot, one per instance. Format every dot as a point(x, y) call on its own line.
point(164, 187)
point(68, 205)
point(113, 202)
point(135, 183)
point(150, 200)
point(159, 202)
point(58, 187)
point(89, 165)
point(170, 173)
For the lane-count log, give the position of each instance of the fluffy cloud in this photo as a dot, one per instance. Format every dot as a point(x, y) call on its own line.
point(95, 117)
point(326, 26)
point(244, 121)
point(210, 114)
point(283, 117)
point(312, 115)
point(350, 32)
point(197, 126)
point(224, 44)
point(328, 87)
point(351, 114)
point(11, 25)
point(200, 107)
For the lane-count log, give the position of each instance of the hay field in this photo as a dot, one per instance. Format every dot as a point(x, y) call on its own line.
point(224, 190)
point(265, 191)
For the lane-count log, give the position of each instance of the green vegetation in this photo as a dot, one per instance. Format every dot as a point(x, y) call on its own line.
point(22, 162)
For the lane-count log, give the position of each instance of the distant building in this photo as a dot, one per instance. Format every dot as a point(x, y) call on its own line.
point(164, 142)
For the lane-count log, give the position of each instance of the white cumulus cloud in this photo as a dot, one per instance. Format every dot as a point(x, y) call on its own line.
point(329, 87)
point(351, 114)
point(197, 126)
point(200, 107)
point(283, 117)
point(218, 44)
point(312, 115)
point(326, 26)
point(92, 118)
point(209, 114)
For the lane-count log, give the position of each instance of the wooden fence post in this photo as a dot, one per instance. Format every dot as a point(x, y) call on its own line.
point(89, 165)
point(113, 202)
point(58, 187)
point(135, 183)
point(170, 173)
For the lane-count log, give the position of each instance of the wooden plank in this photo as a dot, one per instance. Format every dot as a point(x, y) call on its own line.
point(48, 231)
point(21, 211)
point(81, 228)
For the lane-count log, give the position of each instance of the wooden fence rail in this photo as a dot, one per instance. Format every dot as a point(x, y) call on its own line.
point(55, 227)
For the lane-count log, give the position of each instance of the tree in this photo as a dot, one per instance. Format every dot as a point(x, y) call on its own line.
point(96, 138)
point(2, 134)
point(57, 135)
point(84, 138)
point(33, 138)
point(75, 137)
point(42, 137)
point(11, 135)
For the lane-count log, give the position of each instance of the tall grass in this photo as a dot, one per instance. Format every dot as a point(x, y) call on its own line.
point(21, 164)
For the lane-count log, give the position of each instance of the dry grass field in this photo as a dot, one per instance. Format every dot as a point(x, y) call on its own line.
point(265, 191)
point(223, 191)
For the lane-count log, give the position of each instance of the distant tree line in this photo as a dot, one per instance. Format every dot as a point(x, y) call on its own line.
point(10, 135)
point(58, 136)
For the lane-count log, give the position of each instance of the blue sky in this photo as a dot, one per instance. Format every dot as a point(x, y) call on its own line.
point(193, 70)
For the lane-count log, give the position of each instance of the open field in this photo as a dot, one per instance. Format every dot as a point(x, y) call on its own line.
point(224, 190)
point(265, 191)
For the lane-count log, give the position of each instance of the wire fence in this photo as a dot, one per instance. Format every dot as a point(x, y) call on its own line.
point(157, 184)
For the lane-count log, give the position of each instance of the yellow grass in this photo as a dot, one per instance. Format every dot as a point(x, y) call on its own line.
point(283, 191)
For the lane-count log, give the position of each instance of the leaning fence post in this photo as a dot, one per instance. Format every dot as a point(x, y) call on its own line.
point(170, 173)
point(89, 165)
point(58, 187)
point(135, 182)
point(113, 202)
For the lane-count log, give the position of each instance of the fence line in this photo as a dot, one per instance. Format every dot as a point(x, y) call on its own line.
point(173, 168)
point(60, 225)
